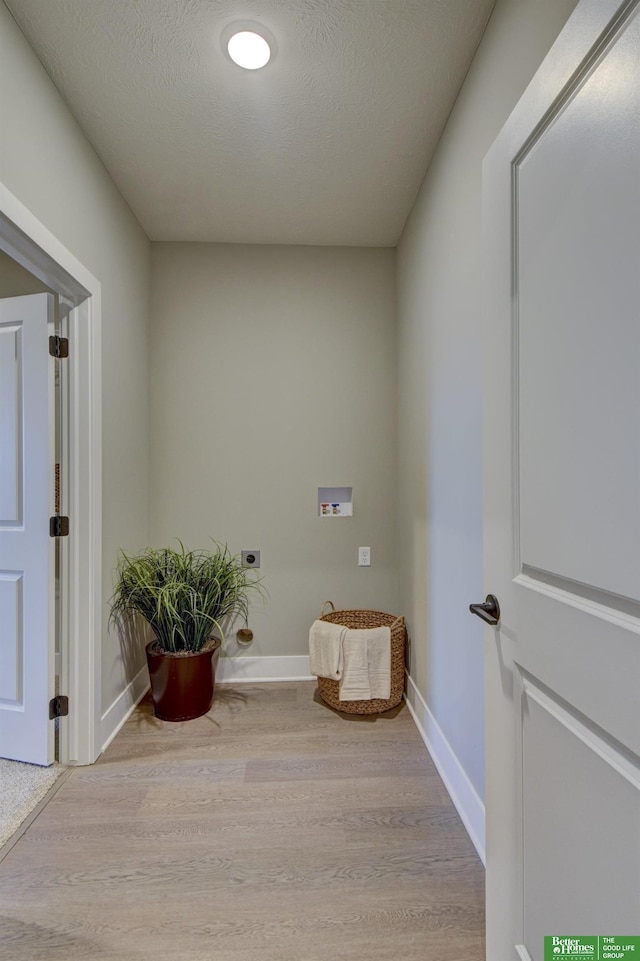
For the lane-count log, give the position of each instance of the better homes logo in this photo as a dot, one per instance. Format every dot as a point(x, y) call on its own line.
point(602, 948)
point(571, 947)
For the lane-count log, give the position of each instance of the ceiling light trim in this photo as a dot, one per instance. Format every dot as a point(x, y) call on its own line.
point(248, 26)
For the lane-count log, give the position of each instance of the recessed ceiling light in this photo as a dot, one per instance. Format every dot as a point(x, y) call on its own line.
point(249, 50)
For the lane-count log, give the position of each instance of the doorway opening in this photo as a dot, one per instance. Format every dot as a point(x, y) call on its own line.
point(33, 248)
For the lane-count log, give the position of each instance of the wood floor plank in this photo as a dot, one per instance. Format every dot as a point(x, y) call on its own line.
point(274, 829)
point(197, 804)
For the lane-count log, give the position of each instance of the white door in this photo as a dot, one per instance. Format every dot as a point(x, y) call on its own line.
point(26, 550)
point(562, 494)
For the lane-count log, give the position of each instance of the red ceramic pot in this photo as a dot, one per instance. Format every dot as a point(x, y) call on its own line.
point(182, 684)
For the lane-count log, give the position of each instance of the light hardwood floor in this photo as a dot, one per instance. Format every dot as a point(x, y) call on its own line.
point(273, 829)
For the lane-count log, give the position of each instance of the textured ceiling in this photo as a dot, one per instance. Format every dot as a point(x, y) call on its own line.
point(328, 144)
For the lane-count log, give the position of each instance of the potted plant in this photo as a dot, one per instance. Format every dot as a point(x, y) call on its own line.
point(184, 596)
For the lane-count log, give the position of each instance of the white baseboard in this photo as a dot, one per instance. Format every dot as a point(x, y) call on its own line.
point(467, 802)
point(240, 669)
point(123, 707)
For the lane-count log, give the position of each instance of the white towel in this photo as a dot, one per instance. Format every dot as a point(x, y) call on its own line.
point(366, 672)
point(326, 649)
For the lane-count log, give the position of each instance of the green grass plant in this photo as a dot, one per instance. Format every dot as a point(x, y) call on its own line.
point(185, 596)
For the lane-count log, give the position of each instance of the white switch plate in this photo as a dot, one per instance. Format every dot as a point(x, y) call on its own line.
point(364, 557)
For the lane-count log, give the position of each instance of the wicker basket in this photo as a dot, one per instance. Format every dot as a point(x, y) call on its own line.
point(357, 620)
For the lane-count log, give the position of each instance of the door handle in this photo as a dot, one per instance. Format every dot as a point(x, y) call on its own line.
point(489, 611)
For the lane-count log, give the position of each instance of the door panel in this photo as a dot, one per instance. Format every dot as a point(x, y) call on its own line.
point(26, 551)
point(11, 606)
point(11, 417)
point(571, 775)
point(578, 288)
point(562, 508)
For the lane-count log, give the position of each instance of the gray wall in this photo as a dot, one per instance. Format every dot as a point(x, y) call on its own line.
point(47, 163)
point(15, 281)
point(440, 381)
point(273, 373)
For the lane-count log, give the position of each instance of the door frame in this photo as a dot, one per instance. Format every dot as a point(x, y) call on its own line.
point(24, 238)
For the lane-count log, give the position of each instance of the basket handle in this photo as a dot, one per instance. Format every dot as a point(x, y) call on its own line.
point(399, 619)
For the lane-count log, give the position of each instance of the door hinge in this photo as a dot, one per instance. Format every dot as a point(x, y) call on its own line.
point(58, 706)
point(59, 346)
point(58, 526)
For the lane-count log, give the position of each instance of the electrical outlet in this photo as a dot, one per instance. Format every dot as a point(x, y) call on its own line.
point(250, 558)
point(364, 557)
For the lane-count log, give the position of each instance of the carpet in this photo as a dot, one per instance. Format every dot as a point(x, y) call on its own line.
point(22, 787)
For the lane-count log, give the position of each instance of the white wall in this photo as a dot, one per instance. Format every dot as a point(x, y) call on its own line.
point(273, 373)
point(47, 163)
point(440, 384)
